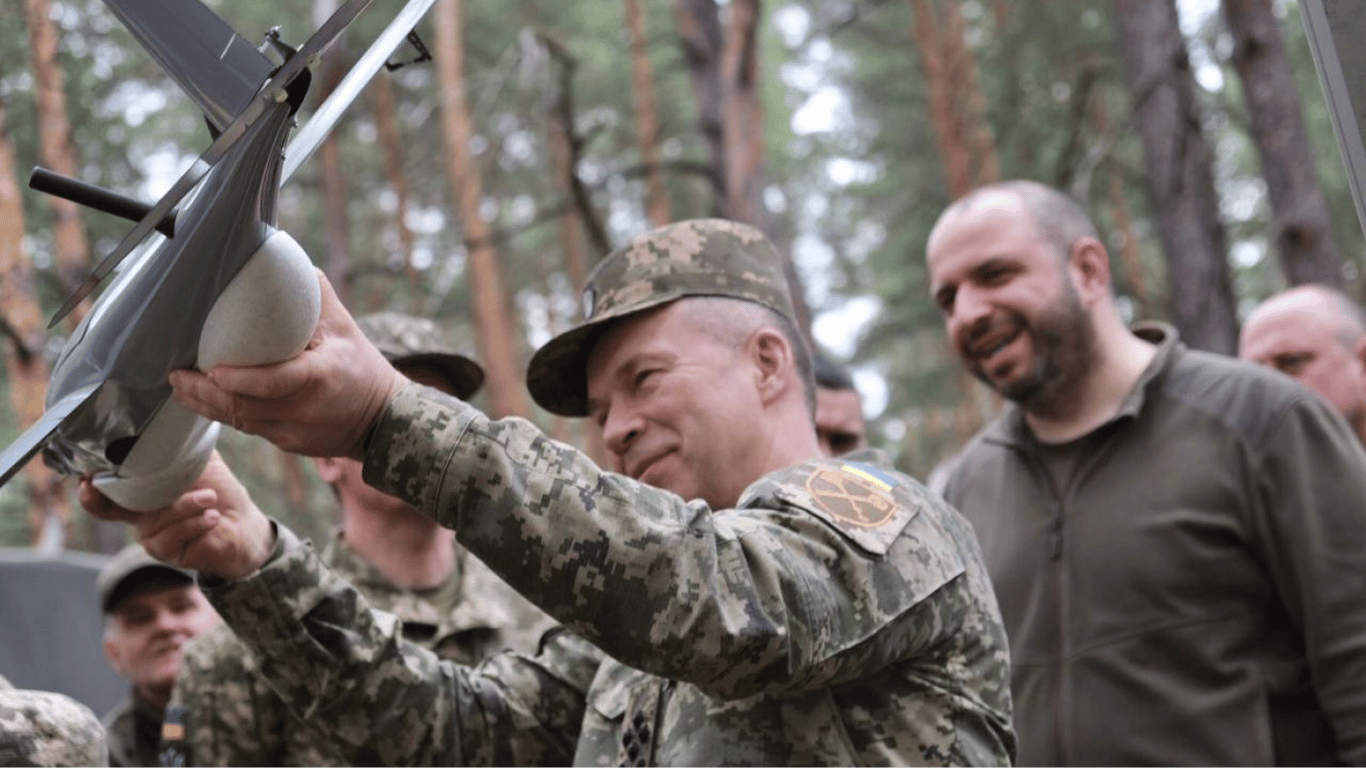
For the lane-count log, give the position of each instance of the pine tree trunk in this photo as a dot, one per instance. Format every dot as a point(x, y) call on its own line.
point(1301, 228)
point(1180, 178)
point(49, 511)
point(1129, 257)
point(647, 116)
point(391, 141)
point(972, 102)
point(71, 246)
point(967, 149)
point(700, 34)
point(742, 117)
point(506, 390)
point(338, 262)
point(967, 146)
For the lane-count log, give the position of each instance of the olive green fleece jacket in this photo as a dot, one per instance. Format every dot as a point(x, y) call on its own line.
point(1197, 596)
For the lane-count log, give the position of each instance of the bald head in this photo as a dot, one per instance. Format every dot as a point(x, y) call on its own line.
point(1058, 219)
point(1316, 334)
point(1322, 302)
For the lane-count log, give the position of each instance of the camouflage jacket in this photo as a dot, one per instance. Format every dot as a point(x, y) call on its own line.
point(840, 615)
point(42, 728)
point(230, 716)
point(132, 730)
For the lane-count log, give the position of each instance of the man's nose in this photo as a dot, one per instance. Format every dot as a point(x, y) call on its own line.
point(620, 428)
point(970, 307)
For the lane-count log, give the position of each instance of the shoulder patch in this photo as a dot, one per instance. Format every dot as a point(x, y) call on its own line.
point(853, 494)
point(868, 505)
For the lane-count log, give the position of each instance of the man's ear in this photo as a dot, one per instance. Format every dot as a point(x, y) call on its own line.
point(329, 469)
point(1089, 264)
point(773, 362)
point(1360, 351)
point(111, 651)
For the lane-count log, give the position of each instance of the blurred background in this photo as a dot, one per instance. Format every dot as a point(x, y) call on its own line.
point(480, 186)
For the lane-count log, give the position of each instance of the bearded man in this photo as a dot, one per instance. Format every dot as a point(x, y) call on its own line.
point(1174, 537)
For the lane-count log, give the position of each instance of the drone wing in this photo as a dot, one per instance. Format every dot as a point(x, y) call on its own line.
point(273, 91)
point(216, 66)
point(1334, 28)
point(14, 457)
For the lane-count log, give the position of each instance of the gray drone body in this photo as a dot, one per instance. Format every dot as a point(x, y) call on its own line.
point(108, 391)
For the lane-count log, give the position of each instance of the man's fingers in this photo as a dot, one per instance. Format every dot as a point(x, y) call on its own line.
point(172, 542)
point(268, 382)
point(199, 393)
point(99, 505)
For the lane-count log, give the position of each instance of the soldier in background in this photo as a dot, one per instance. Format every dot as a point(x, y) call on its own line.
point(43, 728)
point(223, 711)
point(839, 409)
point(151, 612)
point(748, 601)
point(1316, 334)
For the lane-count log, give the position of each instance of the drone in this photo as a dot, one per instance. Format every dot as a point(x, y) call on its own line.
point(207, 277)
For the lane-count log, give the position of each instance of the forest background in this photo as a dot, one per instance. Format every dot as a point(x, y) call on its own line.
point(479, 187)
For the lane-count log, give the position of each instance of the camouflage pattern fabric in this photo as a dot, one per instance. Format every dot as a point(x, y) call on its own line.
point(132, 731)
point(407, 340)
point(232, 717)
point(701, 257)
point(43, 728)
point(840, 615)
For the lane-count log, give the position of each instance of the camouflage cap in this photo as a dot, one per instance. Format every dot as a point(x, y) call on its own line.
point(703, 257)
point(419, 341)
point(43, 728)
point(115, 580)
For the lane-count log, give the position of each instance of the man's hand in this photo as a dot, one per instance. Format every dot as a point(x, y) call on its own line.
point(321, 403)
point(214, 527)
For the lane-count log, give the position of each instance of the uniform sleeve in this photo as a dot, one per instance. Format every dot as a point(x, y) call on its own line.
point(774, 598)
point(1312, 487)
point(346, 670)
point(232, 716)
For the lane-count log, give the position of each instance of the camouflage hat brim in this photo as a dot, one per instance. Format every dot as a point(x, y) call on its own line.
point(698, 257)
point(464, 375)
point(557, 376)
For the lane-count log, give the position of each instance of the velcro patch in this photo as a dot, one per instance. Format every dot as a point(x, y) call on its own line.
point(852, 495)
point(868, 505)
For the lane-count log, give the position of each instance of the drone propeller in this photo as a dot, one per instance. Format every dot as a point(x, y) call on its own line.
point(274, 91)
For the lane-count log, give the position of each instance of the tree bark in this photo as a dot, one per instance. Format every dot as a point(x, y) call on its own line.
point(723, 61)
point(506, 390)
point(647, 116)
point(338, 263)
point(70, 244)
point(1180, 177)
point(742, 116)
point(391, 141)
point(957, 105)
point(967, 149)
point(1300, 226)
point(49, 511)
point(1129, 257)
point(700, 34)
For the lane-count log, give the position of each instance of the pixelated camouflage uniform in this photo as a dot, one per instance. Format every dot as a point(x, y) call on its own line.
point(839, 615)
point(232, 717)
point(43, 728)
point(132, 731)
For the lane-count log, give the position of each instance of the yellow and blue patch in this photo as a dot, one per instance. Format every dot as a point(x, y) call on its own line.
point(870, 473)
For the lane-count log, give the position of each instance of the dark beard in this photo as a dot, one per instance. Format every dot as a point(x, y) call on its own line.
point(1064, 350)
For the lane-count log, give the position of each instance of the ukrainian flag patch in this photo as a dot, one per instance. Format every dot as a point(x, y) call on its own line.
point(870, 473)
